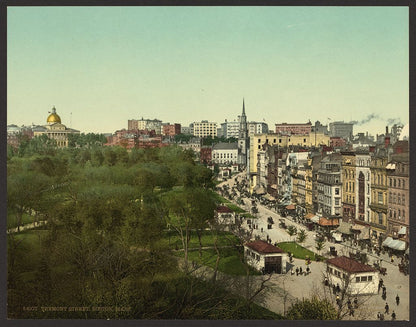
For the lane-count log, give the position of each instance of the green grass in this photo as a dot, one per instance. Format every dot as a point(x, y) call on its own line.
point(172, 240)
point(248, 215)
point(229, 263)
point(297, 250)
point(235, 208)
point(219, 198)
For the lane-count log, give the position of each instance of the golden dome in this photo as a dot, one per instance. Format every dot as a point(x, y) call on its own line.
point(53, 117)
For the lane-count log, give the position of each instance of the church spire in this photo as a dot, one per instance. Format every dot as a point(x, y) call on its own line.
point(244, 109)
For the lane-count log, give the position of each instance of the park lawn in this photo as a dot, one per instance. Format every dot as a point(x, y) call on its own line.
point(248, 215)
point(219, 198)
point(172, 240)
point(297, 250)
point(235, 208)
point(229, 263)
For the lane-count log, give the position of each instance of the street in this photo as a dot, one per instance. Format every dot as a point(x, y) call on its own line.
point(300, 287)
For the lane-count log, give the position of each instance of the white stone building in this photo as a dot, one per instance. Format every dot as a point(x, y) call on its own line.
point(263, 256)
point(257, 128)
point(225, 153)
point(355, 277)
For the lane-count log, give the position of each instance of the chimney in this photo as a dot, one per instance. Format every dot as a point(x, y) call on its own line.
point(387, 130)
point(386, 141)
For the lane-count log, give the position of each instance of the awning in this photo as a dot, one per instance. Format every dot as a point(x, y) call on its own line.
point(315, 219)
point(358, 227)
point(259, 190)
point(269, 197)
point(402, 231)
point(290, 207)
point(344, 228)
point(397, 245)
point(328, 222)
point(309, 216)
point(387, 241)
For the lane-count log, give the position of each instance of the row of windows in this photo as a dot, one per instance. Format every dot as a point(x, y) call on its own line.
point(401, 214)
point(397, 198)
point(397, 182)
point(253, 255)
point(224, 155)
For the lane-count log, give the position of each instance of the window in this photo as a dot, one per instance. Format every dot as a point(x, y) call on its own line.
point(380, 197)
point(363, 278)
point(380, 218)
point(357, 279)
point(370, 278)
point(280, 140)
point(259, 140)
point(337, 191)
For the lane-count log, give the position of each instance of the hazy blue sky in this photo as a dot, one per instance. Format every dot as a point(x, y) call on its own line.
point(106, 65)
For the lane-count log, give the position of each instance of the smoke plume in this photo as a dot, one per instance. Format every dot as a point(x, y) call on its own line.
point(366, 120)
point(392, 121)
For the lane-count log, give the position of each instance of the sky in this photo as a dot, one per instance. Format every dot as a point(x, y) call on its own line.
point(100, 66)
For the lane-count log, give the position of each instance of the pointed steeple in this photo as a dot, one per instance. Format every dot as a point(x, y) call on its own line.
point(244, 109)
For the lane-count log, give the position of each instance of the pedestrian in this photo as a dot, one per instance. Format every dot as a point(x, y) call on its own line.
point(393, 315)
point(381, 280)
point(334, 289)
point(338, 288)
point(397, 299)
point(392, 258)
point(384, 289)
point(379, 285)
point(338, 300)
point(300, 270)
point(384, 296)
point(307, 270)
point(381, 316)
point(356, 302)
point(352, 312)
point(378, 315)
point(387, 308)
point(297, 271)
point(291, 272)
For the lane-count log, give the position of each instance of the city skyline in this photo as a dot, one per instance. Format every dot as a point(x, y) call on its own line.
point(105, 65)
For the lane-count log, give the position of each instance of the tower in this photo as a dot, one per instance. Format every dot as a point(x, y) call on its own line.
point(243, 141)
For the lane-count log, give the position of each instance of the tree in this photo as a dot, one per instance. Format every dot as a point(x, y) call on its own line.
point(312, 309)
point(187, 208)
point(319, 244)
point(291, 230)
point(302, 236)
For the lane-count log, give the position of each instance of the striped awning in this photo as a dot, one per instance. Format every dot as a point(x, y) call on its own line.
point(402, 231)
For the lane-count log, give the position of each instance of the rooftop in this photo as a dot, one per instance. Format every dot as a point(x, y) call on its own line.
point(263, 247)
point(349, 265)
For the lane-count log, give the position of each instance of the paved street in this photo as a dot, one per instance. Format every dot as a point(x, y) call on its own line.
point(305, 286)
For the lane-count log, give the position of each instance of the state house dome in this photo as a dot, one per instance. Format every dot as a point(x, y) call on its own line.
point(53, 117)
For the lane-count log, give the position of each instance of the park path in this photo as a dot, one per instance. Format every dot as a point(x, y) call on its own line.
point(26, 227)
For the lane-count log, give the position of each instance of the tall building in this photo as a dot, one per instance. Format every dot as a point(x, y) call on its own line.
point(55, 130)
point(356, 188)
point(230, 129)
point(204, 129)
point(379, 191)
point(171, 129)
point(330, 186)
point(257, 128)
point(398, 196)
point(243, 140)
point(286, 128)
point(341, 129)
